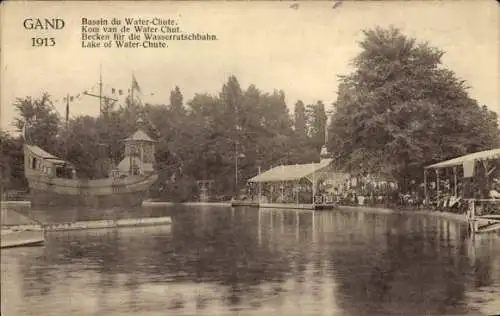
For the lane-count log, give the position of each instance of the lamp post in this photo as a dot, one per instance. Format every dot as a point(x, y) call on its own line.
point(260, 188)
point(236, 172)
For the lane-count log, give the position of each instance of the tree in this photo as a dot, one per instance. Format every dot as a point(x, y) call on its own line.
point(302, 147)
point(400, 109)
point(81, 146)
point(317, 124)
point(300, 120)
point(11, 162)
point(41, 121)
point(231, 101)
point(277, 130)
point(202, 140)
point(176, 101)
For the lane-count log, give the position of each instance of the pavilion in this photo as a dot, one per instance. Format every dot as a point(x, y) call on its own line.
point(310, 183)
point(460, 168)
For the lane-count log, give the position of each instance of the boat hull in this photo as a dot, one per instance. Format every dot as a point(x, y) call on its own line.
point(106, 193)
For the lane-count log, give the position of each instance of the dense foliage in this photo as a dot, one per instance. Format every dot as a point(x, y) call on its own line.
point(400, 109)
point(11, 162)
point(202, 139)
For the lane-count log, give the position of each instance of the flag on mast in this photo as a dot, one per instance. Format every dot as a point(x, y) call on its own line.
point(67, 113)
point(67, 109)
point(135, 85)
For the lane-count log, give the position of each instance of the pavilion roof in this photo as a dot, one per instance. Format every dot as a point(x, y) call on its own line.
point(481, 155)
point(290, 172)
point(139, 135)
point(37, 151)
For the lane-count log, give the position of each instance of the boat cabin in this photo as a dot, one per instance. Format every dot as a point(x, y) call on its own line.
point(38, 161)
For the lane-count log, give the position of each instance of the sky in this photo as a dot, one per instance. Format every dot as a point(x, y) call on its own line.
point(300, 50)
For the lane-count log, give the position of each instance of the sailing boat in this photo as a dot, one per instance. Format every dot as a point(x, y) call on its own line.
point(53, 181)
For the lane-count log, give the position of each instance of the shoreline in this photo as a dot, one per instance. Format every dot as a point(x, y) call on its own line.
point(86, 225)
point(162, 203)
point(15, 203)
point(442, 214)
point(14, 239)
point(376, 209)
point(145, 203)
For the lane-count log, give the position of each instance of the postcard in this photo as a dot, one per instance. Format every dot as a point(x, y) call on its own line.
point(250, 157)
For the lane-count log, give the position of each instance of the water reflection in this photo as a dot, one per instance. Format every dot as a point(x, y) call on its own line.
point(247, 261)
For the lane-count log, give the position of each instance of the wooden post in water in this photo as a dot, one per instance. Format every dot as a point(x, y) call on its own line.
point(282, 222)
point(314, 226)
point(486, 175)
point(259, 230)
point(437, 184)
point(297, 191)
point(282, 192)
point(313, 188)
point(297, 225)
point(426, 194)
point(260, 189)
point(456, 180)
point(471, 217)
point(236, 193)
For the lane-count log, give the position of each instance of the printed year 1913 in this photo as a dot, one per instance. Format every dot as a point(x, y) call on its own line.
point(43, 41)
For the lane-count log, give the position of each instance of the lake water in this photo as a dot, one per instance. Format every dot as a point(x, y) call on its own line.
point(222, 261)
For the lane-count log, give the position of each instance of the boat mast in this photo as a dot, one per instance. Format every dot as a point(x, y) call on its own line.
point(132, 92)
point(101, 97)
point(132, 102)
point(132, 107)
point(67, 109)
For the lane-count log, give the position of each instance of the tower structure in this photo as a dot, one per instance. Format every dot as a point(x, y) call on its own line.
point(324, 154)
point(139, 153)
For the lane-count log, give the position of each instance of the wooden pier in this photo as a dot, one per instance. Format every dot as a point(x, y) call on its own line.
point(292, 206)
point(82, 225)
point(12, 239)
point(237, 203)
point(479, 224)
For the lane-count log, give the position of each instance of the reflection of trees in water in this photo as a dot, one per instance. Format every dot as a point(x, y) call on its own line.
point(481, 254)
point(220, 248)
point(414, 274)
point(32, 272)
point(66, 253)
point(223, 249)
point(408, 264)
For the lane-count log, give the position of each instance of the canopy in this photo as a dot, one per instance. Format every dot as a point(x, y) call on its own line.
point(290, 172)
point(481, 155)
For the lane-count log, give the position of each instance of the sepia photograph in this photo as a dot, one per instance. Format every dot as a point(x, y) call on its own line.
point(244, 158)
